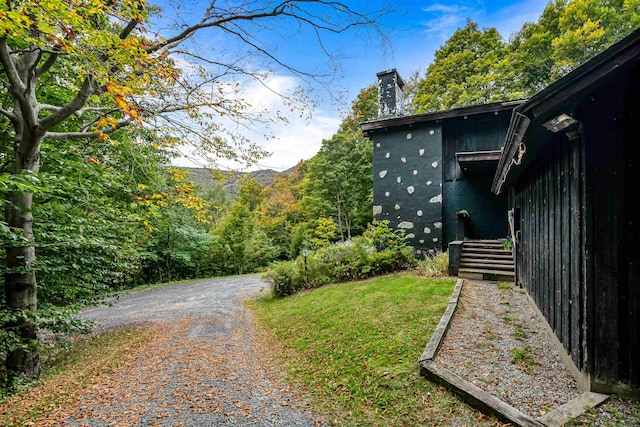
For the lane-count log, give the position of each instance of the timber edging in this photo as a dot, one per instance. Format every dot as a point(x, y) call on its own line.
point(472, 394)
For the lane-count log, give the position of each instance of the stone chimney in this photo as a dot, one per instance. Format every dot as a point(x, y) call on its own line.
point(390, 94)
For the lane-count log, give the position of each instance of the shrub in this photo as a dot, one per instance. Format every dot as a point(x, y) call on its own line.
point(434, 265)
point(282, 276)
point(379, 250)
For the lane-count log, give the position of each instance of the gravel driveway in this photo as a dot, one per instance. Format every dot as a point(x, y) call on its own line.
point(205, 368)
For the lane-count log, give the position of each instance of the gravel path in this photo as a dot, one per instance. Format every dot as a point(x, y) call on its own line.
point(497, 342)
point(204, 366)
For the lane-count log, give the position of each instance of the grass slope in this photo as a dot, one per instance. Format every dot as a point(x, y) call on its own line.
point(355, 348)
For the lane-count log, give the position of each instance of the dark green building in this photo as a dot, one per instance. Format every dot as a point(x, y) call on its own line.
point(428, 167)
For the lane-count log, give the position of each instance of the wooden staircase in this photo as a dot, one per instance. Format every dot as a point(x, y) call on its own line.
point(486, 260)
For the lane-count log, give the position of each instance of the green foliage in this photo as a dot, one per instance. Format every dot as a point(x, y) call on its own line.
point(567, 34)
point(587, 27)
point(363, 108)
point(91, 234)
point(60, 322)
point(313, 234)
point(379, 250)
point(476, 66)
point(524, 359)
point(240, 244)
point(324, 232)
point(26, 181)
point(339, 184)
point(471, 68)
point(177, 248)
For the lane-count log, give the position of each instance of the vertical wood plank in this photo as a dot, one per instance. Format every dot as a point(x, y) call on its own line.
point(575, 251)
point(557, 233)
point(566, 258)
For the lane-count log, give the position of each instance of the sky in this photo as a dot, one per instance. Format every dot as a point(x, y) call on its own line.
point(411, 35)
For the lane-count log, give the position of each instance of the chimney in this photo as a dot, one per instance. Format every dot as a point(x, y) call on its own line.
point(390, 94)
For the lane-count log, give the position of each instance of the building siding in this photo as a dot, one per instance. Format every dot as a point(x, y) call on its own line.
point(577, 249)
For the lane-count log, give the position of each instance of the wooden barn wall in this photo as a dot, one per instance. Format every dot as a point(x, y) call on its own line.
point(613, 276)
point(482, 132)
point(549, 255)
point(577, 254)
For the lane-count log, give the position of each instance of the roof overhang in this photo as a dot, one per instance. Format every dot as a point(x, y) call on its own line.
point(478, 162)
point(381, 125)
point(550, 109)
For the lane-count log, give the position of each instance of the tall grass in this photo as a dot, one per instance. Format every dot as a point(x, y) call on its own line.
point(434, 265)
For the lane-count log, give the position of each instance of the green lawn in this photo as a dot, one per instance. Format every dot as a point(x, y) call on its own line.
point(354, 348)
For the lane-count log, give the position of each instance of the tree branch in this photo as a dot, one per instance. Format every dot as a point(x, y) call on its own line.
point(53, 57)
point(8, 114)
point(269, 55)
point(189, 31)
point(127, 30)
point(10, 68)
point(76, 136)
point(105, 110)
point(131, 25)
point(74, 105)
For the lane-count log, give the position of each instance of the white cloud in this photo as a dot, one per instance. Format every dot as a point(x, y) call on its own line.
point(443, 25)
point(297, 138)
point(443, 19)
point(438, 7)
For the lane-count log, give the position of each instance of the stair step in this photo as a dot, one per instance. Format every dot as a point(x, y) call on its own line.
point(486, 260)
point(487, 265)
point(485, 250)
point(485, 274)
point(498, 261)
point(478, 258)
point(474, 244)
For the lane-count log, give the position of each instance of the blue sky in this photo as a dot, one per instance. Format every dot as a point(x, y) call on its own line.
point(413, 32)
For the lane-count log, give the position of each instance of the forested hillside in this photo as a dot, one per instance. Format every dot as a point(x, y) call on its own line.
point(230, 180)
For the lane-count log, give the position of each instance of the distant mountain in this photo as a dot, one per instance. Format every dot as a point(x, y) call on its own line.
point(204, 177)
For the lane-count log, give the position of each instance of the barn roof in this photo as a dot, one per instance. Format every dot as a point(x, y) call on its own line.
point(550, 109)
point(383, 124)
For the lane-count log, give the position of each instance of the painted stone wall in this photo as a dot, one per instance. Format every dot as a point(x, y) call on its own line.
point(407, 183)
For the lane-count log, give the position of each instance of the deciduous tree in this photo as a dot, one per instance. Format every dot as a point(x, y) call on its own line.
point(339, 185)
point(116, 72)
point(470, 68)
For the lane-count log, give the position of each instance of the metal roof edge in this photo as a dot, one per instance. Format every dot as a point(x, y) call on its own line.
point(374, 125)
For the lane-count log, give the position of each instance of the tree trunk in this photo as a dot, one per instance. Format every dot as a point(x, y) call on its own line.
point(167, 257)
point(20, 278)
point(167, 264)
point(339, 209)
